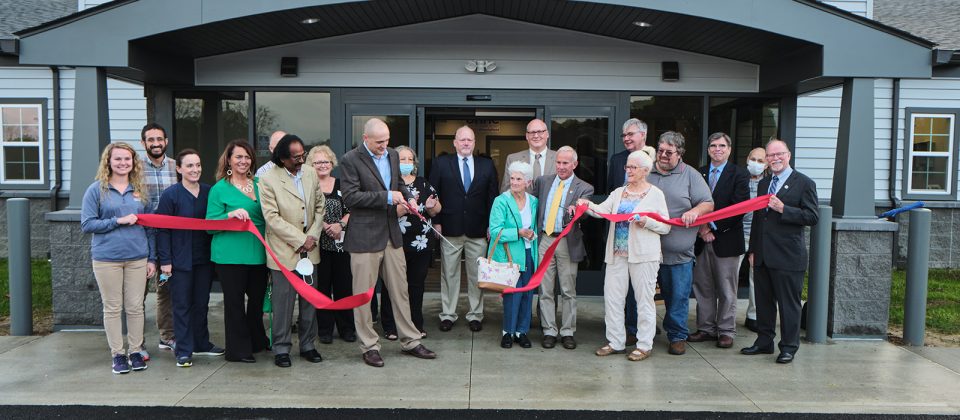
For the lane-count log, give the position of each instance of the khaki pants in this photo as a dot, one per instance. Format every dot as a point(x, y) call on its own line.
point(391, 265)
point(566, 272)
point(121, 287)
point(164, 308)
point(470, 249)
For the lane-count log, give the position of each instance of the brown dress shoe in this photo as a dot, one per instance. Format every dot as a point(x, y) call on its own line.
point(373, 358)
point(677, 347)
point(421, 352)
point(701, 336)
point(549, 341)
point(568, 342)
point(475, 326)
point(446, 325)
point(725, 342)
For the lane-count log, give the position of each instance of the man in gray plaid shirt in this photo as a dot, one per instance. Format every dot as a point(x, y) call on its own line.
point(159, 172)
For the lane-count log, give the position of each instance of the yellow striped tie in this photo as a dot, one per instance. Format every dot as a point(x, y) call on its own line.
point(554, 208)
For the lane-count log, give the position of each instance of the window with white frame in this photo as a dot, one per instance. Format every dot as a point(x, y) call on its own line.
point(21, 144)
point(930, 153)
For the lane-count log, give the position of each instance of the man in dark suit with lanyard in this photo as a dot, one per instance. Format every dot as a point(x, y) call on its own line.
point(719, 248)
point(778, 253)
point(371, 189)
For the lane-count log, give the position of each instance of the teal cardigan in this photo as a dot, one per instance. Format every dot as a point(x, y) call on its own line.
point(505, 220)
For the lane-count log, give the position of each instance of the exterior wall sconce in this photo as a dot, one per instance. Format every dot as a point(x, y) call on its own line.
point(480, 66)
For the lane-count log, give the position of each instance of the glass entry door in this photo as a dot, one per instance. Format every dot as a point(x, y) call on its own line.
point(401, 119)
point(587, 130)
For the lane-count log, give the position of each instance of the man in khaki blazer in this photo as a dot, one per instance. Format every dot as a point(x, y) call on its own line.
point(371, 185)
point(293, 206)
point(543, 160)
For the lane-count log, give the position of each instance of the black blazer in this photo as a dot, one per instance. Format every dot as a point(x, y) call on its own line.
point(776, 240)
point(464, 212)
point(615, 172)
point(733, 186)
point(175, 246)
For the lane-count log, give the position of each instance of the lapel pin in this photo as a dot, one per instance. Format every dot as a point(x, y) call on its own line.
point(786, 187)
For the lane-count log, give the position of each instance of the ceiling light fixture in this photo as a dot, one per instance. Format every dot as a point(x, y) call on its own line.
point(309, 21)
point(642, 24)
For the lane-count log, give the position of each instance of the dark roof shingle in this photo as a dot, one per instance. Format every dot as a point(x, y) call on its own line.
point(22, 14)
point(936, 20)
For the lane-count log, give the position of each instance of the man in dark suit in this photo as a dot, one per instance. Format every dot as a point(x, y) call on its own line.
point(719, 248)
point(370, 184)
point(466, 185)
point(557, 195)
point(634, 138)
point(778, 253)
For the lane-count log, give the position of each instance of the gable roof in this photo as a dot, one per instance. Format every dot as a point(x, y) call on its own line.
point(22, 14)
point(936, 20)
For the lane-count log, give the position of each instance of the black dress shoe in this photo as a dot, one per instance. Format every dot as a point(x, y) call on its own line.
point(349, 337)
point(754, 349)
point(446, 325)
point(326, 339)
point(507, 341)
point(785, 357)
point(475, 326)
point(568, 342)
point(750, 324)
point(312, 356)
point(549, 341)
point(372, 358)
point(244, 359)
point(523, 341)
point(421, 352)
point(282, 360)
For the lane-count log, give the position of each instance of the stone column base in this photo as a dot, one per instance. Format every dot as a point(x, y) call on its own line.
point(861, 266)
point(76, 298)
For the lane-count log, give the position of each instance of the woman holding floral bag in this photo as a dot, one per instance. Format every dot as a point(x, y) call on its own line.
point(513, 226)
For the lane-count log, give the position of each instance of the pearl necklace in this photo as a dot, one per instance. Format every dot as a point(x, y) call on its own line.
point(247, 189)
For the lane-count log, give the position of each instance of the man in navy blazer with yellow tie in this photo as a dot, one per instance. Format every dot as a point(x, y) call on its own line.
point(778, 252)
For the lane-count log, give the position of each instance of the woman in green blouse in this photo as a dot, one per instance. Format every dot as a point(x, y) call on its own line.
point(239, 256)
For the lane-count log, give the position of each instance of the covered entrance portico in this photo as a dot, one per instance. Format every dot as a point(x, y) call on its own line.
point(586, 65)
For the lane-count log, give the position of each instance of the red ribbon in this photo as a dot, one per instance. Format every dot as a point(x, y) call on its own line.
point(317, 299)
point(734, 210)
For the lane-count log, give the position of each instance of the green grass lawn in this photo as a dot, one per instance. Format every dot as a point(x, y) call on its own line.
point(42, 295)
point(943, 300)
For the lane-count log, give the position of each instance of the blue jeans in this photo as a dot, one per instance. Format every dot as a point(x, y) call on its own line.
point(676, 282)
point(517, 307)
point(630, 312)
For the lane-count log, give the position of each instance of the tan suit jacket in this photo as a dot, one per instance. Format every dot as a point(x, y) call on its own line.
point(283, 212)
point(549, 166)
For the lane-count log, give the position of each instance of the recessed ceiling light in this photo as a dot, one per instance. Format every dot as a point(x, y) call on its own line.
point(642, 24)
point(309, 21)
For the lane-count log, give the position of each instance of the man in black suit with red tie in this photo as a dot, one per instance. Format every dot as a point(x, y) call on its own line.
point(778, 253)
point(466, 185)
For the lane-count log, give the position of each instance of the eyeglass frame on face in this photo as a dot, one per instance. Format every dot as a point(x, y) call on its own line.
point(631, 168)
point(776, 155)
point(630, 134)
point(317, 163)
point(537, 132)
point(302, 158)
point(667, 153)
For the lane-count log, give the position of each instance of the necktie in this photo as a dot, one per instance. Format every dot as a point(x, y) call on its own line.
point(551, 222)
point(773, 185)
point(536, 166)
point(714, 174)
point(466, 175)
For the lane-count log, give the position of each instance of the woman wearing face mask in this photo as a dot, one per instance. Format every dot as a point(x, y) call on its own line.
point(184, 256)
point(418, 242)
point(757, 166)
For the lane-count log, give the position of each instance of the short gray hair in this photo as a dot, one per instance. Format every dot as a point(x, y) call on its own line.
point(642, 126)
point(520, 166)
point(674, 139)
point(642, 157)
point(416, 162)
point(568, 149)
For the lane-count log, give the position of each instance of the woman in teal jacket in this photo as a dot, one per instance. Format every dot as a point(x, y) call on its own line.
point(513, 219)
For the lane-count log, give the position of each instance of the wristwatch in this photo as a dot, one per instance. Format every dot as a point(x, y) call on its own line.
point(342, 224)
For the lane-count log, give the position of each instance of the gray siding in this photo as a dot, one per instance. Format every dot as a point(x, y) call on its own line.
point(86, 4)
point(433, 54)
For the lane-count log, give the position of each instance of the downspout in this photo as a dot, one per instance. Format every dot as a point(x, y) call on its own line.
point(894, 129)
point(57, 170)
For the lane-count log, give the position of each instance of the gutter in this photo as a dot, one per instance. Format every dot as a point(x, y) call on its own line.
point(894, 130)
point(57, 171)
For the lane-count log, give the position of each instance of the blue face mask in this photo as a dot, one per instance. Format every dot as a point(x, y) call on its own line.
point(406, 168)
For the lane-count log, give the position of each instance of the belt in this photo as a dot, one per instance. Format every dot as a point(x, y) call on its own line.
point(552, 235)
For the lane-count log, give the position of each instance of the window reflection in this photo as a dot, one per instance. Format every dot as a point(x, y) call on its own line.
point(206, 121)
point(683, 114)
point(306, 114)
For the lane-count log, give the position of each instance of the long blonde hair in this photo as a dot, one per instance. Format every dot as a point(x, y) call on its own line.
point(104, 172)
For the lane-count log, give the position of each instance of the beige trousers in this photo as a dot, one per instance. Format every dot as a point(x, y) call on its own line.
point(566, 272)
point(121, 287)
point(470, 249)
point(392, 266)
point(164, 308)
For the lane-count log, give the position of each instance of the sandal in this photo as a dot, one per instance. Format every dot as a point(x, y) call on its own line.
point(607, 350)
point(637, 355)
point(390, 335)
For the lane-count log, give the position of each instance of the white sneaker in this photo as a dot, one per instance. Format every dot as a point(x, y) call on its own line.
point(167, 345)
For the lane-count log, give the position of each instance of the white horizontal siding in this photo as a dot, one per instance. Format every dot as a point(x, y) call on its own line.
point(86, 4)
point(528, 56)
point(818, 122)
point(128, 109)
point(861, 7)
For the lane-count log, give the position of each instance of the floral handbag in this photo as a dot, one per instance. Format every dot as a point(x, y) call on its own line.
point(497, 276)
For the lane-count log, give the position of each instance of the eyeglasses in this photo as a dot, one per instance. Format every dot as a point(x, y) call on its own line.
point(299, 158)
point(631, 168)
point(667, 153)
point(537, 132)
point(776, 155)
point(629, 134)
point(321, 162)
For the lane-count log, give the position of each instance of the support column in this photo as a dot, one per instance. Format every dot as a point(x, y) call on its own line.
point(91, 130)
point(861, 257)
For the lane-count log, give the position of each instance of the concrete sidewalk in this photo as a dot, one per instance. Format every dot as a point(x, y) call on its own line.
point(472, 371)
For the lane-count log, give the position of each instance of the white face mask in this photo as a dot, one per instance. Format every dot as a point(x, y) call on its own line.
point(755, 168)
